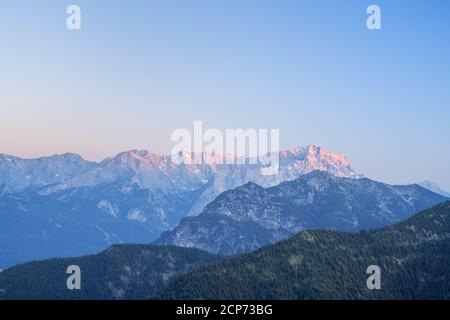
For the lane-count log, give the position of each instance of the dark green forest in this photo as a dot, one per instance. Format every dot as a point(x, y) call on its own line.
point(120, 272)
point(414, 258)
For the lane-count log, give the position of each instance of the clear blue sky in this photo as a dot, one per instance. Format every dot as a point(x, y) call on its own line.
point(140, 69)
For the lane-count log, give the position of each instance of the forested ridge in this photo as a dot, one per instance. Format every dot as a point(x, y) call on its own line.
point(414, 258)
point(120, 272)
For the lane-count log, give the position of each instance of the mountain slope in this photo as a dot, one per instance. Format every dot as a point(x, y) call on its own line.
point(414, 258)
point(251, 216)
point(35, 226)
point(120, 272)
point(434, 187)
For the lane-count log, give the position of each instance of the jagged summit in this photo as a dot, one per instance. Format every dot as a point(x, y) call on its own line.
point(60, 169)
point(135, 159)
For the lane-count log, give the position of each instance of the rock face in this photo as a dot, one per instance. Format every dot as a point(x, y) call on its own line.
point(62, 205)
point(250, 216)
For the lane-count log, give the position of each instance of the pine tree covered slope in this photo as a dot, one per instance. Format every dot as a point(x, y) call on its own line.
point(414, 257)
point(120, 272)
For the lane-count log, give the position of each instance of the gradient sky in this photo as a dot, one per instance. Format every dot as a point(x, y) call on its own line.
point(140, 69)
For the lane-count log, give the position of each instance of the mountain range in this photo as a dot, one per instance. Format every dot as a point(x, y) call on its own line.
point(248, 217)
point(46, 204)
point(413, 256)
